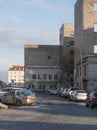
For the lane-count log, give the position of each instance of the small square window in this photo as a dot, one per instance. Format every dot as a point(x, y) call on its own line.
point(49, 57)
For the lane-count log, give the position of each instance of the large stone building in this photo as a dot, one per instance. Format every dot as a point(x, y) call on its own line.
point(41, 66)
point(66, 54)
point(16, 75)
point(86, 40)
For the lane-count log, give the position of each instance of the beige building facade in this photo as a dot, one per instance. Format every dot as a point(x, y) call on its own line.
point(86, 40)
point(16, 75)
point(41, 66)
point(66, 54)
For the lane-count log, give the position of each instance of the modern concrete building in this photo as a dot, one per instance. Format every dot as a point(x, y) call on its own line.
point(16, 75)
point(86, 40)
point(41, 66)
point(66, 54)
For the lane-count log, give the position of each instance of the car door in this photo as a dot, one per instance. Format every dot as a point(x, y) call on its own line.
point(9, 98)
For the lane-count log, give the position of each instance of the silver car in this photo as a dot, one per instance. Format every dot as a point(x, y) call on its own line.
point(19, 97)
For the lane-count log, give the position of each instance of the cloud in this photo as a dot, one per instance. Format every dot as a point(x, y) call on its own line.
point(9, 37)
point(10, 18)
point(42, 4)
point(15, 18)
point(12, 37)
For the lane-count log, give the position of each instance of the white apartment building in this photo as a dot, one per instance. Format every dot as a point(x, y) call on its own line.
point(16, 75)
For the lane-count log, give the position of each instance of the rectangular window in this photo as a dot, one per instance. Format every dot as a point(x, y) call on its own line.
point(39, 76)
point(44, 76)
point(50, 76)
point(55, 76)
point(95, 48)
point(95, 6)
point(33, 76)
point(95, 27)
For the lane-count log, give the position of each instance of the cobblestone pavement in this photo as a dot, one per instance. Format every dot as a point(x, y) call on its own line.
point(51, 113)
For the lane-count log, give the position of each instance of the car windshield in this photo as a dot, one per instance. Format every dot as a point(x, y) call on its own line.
point(81, 91)
point(74, 89)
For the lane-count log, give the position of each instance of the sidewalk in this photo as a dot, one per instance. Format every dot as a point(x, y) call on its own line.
point(3, 105)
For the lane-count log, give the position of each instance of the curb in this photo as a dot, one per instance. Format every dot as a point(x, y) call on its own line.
point(3, 106)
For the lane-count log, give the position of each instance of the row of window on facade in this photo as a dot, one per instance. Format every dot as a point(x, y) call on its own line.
point(18, 76)
point(19, 80)
point(55, 77)
point(16, 72)
point(41, 86)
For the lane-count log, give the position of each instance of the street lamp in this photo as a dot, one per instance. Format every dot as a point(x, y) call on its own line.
point(80, 62)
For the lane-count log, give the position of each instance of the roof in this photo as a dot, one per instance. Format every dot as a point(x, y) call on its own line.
point(16, 68)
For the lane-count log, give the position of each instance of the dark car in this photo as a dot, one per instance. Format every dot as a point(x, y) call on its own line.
point(92, 100)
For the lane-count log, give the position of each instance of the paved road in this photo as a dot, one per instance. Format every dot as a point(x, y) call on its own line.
point(51, 113)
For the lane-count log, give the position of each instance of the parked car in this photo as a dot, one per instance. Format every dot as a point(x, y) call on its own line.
point(60, 91)
point(64, 92)
point(70, 90)
point(7, 89)
point(52, 91)
point(21, 97)
point(79, 95)
point(92, 100)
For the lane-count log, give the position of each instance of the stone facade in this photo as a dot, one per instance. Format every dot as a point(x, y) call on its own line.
point(85, 39)
point(41, 66)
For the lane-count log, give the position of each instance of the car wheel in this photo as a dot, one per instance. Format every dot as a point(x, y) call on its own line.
point(18, 103)
point(87, 105)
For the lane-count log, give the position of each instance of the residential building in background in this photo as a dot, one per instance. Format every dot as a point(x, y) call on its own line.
point(42, 66)
point(67, 54)
point(16, 75)
point(86, 40)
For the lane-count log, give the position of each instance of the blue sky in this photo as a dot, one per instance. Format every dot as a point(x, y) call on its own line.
point(30, 22)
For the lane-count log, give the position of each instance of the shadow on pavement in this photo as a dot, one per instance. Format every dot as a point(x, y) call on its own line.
point(15, 125)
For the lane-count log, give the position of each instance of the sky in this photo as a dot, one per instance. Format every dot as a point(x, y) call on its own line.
point(30, 22)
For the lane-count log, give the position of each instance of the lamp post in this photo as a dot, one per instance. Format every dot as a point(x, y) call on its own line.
point(80, 63)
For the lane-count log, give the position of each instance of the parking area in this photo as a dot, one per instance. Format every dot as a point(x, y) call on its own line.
point(50, 113)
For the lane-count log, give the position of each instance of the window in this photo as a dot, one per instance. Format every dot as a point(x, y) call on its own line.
point(39, 76)
point(50, 76)
point(44, 76)
point(95, 48)
point(95, 27)
point(71, 43)
point(49, 57)
point(72, 34)
point(55, 76)
point(33, 76)
point(95, 6)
